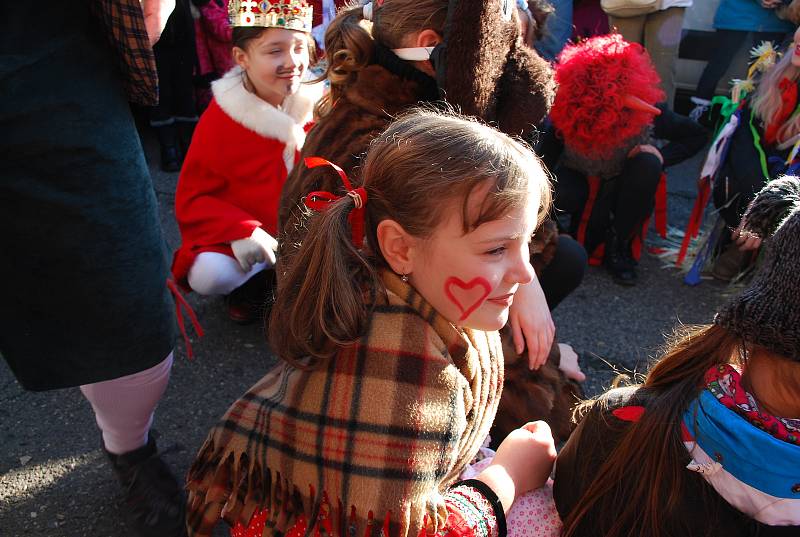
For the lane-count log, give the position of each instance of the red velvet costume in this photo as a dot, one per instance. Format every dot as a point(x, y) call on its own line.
point(231, 180)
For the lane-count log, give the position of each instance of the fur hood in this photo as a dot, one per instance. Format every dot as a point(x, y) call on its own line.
point(485, 70)
point(285, 124)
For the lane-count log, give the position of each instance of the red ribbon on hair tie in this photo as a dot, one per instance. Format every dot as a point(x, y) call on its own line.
point(320, 200)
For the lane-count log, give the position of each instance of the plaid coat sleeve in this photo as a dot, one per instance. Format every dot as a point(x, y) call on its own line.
point(124, 27)
point(373, 438)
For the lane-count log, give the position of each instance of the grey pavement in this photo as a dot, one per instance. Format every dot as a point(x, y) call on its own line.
point(55, 481)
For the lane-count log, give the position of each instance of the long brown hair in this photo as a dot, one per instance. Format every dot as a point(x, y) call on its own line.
point(350, 42)
point(425, 163)
point(638, 487)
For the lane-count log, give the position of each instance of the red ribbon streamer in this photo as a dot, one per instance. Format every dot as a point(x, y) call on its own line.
point(696, 218)
point(594, 188)
point(661, 206)
point(181, 302)
point(320, 200)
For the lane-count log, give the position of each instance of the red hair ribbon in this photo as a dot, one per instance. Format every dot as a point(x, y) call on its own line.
point(320, 200)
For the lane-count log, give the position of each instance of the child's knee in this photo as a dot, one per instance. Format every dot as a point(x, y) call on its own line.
point(214, 274)
point(643, 172)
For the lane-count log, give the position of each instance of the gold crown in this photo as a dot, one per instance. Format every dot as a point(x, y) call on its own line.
point(288, 14)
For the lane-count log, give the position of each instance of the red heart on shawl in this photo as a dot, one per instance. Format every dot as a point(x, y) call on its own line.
point(469, 296)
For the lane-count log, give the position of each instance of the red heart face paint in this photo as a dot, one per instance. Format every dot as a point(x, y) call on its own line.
point(467, 296)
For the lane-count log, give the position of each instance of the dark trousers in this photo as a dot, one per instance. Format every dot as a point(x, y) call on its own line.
point(565, 272)
point(727, 44)
point(622, 203)
point(176, 88)
point(175, 61)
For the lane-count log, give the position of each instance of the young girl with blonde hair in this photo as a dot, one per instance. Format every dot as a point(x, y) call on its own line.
point(392, 366)
point(764, 144)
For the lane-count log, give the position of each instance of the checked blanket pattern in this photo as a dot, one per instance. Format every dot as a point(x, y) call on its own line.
point(371, 438)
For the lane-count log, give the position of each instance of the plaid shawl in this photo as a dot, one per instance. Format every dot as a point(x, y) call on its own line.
point(124, 28)
point(367, 441)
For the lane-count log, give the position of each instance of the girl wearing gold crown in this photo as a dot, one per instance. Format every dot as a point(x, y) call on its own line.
point(243, 148)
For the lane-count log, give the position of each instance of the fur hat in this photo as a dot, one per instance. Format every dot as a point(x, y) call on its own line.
point(485, 70)
point(767, 313)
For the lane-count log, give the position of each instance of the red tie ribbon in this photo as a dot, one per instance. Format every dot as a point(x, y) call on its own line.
point(320, 200)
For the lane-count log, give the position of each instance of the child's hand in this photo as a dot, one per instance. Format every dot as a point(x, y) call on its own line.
point(569, 363)
point(646, 148)
point(745, 240)
point(259, 247)
point(531, 323)
point(156, 13)
point(523, 462)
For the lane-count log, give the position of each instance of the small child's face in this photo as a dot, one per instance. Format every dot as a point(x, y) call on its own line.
point(275, 62)
point(795, 49)
point(471, 278)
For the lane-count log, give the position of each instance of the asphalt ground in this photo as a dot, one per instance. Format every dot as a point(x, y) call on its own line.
point(55, 481)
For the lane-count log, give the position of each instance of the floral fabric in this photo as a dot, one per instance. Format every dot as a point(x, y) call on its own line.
point(725, 383)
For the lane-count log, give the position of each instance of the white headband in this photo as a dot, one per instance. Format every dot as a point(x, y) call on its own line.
point(367, 11)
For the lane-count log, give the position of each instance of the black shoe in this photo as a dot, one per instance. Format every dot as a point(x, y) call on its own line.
point(155, 503)
point(252, 300)
point(619, 262)
point(170, 159)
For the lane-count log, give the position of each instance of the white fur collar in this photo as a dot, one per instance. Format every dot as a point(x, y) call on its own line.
point(284, 124)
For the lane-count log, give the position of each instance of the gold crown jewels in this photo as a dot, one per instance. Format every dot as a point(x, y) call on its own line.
point(288, 14)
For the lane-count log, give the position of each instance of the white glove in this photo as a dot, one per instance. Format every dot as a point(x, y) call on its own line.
point(259, 247)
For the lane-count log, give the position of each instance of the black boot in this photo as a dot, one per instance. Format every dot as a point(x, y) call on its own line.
point(618, 260)
point(156, 506)
point(171, 158)
point(185, 133)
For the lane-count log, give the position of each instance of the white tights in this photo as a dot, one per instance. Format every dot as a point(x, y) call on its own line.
point(213, 273)
point(124, 407)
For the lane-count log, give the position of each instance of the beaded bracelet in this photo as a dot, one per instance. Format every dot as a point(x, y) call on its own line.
point(493, 500)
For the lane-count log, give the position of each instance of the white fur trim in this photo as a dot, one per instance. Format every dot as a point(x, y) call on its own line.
point(284, 124)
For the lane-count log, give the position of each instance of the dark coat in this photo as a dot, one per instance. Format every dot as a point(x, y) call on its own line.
point(700, 511)
point(82, 263)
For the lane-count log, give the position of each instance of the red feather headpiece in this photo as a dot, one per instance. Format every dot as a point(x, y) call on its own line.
point(594, 77)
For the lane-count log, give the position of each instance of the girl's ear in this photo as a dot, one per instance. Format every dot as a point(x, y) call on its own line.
point(428, 38)
point(240, 57)
point(396, 245)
